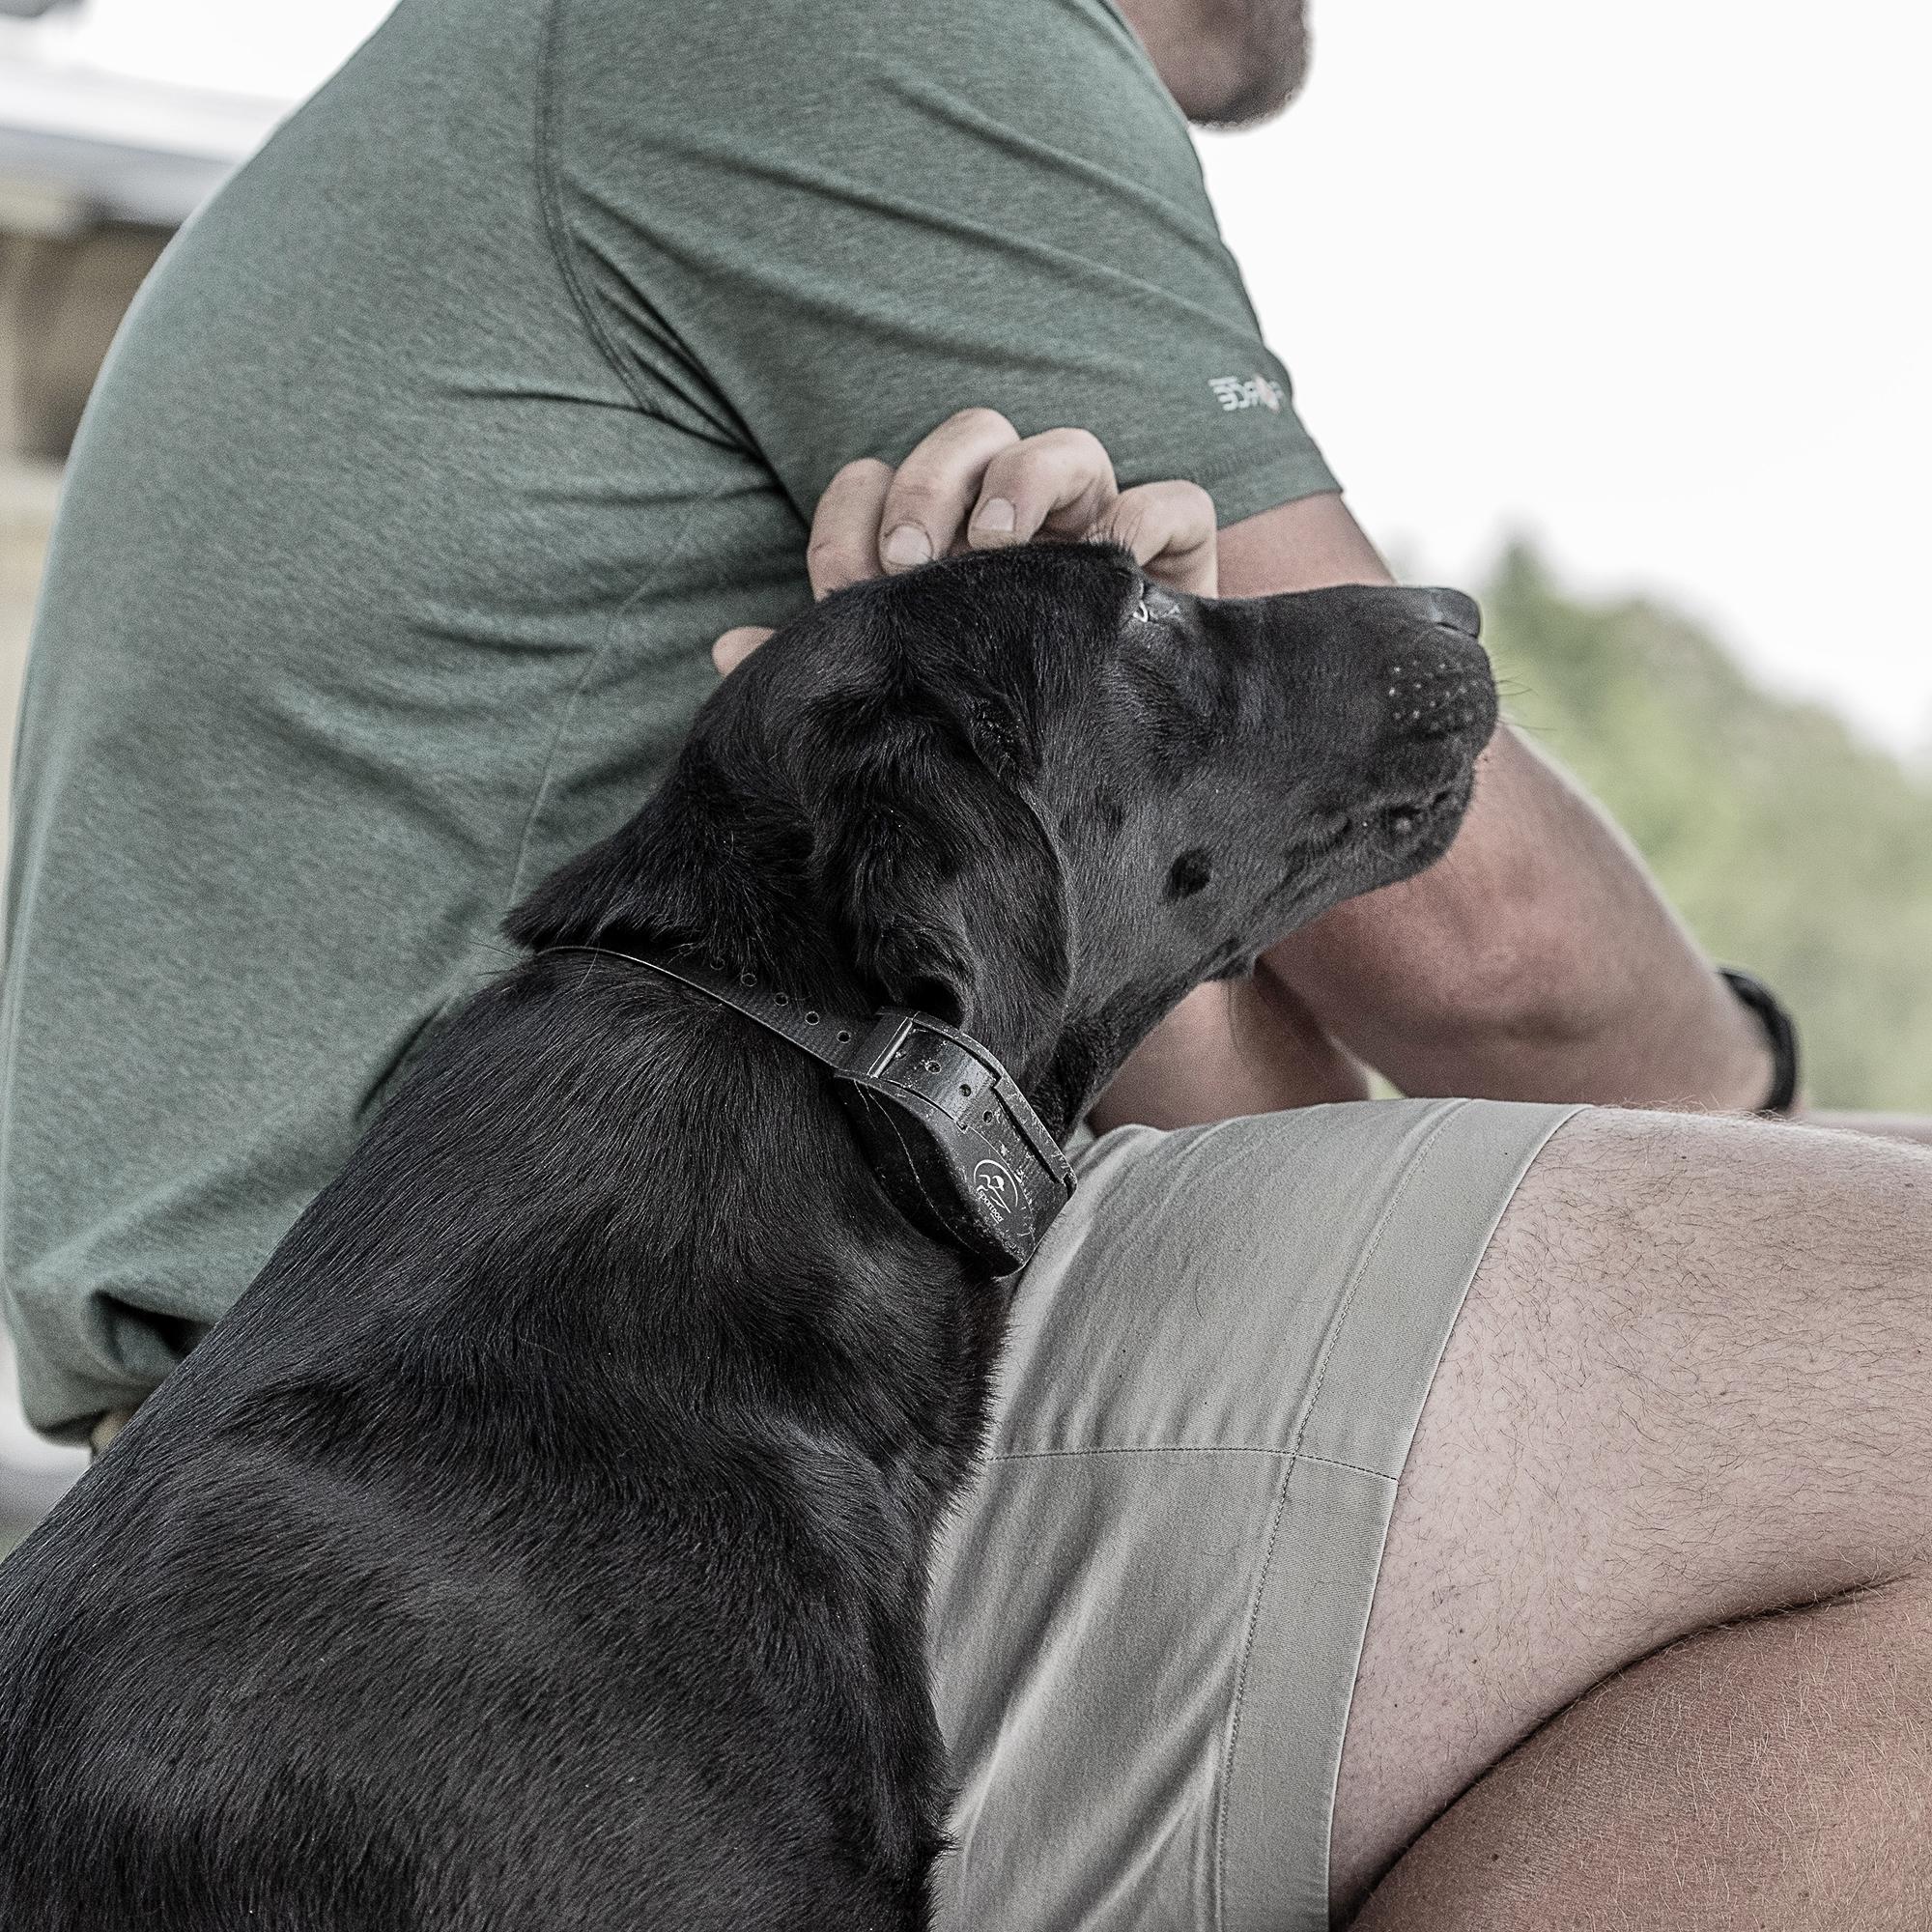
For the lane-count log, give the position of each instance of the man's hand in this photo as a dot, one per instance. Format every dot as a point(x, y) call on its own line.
point(975, 483)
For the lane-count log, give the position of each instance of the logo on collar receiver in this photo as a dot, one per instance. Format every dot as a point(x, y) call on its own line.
point(996, 1187)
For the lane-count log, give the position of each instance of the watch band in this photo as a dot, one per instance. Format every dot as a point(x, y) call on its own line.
point(948, 1130)
point(1779, 1028)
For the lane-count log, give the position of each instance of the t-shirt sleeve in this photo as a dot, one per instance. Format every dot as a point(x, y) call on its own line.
point(816, 228)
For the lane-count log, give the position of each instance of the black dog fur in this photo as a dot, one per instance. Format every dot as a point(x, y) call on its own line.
point(541, 1541)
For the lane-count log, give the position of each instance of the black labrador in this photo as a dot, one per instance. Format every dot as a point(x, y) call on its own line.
point(542, 1540)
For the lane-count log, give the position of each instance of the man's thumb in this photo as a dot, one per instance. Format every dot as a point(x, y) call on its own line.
point(735, 646)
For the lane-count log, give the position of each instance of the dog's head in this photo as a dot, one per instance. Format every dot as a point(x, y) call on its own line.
point(1041, 796)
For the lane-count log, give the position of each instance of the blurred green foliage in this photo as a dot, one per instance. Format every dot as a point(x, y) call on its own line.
point(1790, 845)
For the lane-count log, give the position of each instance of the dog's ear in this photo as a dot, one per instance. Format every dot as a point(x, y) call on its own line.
point(886, 829)
point(947, 888)
point(698, 863)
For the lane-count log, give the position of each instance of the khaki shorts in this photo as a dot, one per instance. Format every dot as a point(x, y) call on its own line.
point(1149, 1612)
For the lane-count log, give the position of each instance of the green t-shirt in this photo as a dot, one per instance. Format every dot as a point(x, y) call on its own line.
point(429, 464)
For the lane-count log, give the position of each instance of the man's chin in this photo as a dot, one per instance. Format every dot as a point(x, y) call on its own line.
point(1262, 67)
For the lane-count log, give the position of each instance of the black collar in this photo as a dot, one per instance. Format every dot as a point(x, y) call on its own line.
point(948, 1131)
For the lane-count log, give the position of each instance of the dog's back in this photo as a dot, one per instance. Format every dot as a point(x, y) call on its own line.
point(427, 1596)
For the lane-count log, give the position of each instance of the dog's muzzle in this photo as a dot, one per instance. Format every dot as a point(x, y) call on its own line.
point(946, 1126)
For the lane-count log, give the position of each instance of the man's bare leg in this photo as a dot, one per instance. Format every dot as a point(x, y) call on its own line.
point(1886, 1126)
point(1766, 1776)
point(1689, 1386)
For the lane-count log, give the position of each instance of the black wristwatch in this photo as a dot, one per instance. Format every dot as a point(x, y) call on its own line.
point(1779, 1030)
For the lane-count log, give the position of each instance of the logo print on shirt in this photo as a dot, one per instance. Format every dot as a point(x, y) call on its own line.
point(1244, 392)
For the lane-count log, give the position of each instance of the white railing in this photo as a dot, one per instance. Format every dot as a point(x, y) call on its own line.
point(140, 106)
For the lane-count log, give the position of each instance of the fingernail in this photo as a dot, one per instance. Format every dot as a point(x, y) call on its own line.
point(907, 545)
point(996, 515)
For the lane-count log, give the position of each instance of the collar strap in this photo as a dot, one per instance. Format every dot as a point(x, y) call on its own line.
point(946, 1126)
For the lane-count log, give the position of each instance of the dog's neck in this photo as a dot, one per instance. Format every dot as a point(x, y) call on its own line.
point(946, 1128)
point(669, 1209)
point(1060, 1040)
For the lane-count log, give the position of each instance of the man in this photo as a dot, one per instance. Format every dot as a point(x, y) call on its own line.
point(429, 463)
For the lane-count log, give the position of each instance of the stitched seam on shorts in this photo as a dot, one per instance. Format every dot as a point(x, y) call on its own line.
point(1217, 1904)
point(1189, 1449)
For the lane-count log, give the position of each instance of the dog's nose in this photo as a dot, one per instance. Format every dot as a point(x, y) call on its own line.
point(1451, 607)
point(1438, 688)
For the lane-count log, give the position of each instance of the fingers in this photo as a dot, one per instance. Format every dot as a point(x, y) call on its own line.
point(973, 483)
point(925, 509)
point(845, 528)
point(1169, 529)
point(736, 645)
point(1059, 483)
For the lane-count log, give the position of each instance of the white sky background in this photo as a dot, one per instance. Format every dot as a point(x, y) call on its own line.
point(1646, 281)
point(239, 47)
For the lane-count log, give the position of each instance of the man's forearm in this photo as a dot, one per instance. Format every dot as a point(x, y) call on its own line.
point(1235, 1046)
point(1538, 960)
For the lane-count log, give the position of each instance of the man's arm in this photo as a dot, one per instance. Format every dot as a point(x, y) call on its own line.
point(1536, 961)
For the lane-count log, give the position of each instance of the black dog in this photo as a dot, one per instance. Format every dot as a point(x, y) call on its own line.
point(541, 1541)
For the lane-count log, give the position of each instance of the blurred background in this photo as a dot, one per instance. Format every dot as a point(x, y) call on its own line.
point(1617, 315)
